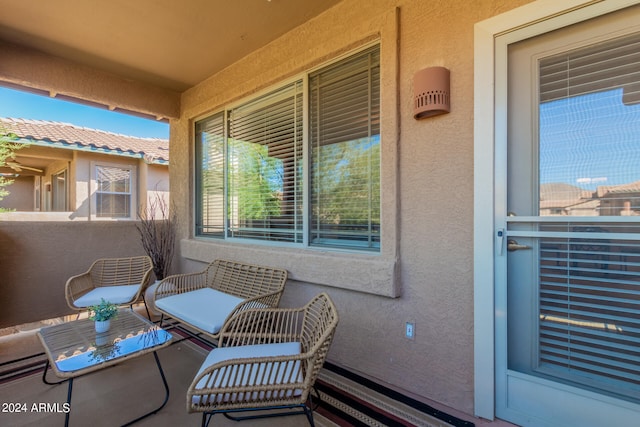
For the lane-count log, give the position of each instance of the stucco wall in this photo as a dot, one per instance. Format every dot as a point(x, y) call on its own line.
point(20, 195)
point(53, 75)
point(157, 179)
point(427, 169)
point(37, 258)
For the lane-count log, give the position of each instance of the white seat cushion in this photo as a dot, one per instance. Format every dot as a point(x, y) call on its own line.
point(204, 308)
point(114, 294)
point(251, 374)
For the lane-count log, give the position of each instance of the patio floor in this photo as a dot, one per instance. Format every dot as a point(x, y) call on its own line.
point(120, 393)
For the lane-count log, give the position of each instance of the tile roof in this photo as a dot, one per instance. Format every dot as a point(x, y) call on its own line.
point(631, 187)
point(154, 150)
point(562, 191)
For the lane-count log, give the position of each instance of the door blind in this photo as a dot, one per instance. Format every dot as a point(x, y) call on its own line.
point(603, 66)
point(589, 306)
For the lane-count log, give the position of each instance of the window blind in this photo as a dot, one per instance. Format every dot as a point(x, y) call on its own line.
point(265, 167)
point(210, 168)
point(113, 196)
point(344, 115)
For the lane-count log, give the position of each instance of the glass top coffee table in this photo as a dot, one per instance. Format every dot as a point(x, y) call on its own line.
point(74, 349)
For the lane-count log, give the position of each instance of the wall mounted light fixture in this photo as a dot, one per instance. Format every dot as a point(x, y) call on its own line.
point(431, 92)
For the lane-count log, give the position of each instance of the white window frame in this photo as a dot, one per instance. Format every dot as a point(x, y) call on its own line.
point(133, 194)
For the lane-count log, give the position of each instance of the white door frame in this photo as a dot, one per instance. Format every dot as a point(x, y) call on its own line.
point(491, 38)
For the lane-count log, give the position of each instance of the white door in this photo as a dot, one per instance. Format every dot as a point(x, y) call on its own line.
point(568, 252)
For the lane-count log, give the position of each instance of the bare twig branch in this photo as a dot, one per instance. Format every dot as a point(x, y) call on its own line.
point(157, 228)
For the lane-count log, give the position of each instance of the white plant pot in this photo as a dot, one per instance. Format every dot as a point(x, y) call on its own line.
point(101, 339)
point(102, 326)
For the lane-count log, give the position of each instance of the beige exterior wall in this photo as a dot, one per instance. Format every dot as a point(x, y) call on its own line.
point(55, 76)
point(424, 273)
point(155, 179)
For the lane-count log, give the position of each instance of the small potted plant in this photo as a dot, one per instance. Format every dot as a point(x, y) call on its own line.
point(102, 314)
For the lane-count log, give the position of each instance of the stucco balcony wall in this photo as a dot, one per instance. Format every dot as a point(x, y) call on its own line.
point(37, 258)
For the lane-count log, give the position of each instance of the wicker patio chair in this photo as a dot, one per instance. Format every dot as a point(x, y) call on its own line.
point(120, 281)
point(268, 359)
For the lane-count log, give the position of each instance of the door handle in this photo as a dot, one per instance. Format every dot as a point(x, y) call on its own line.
point(500, 240)
point(512, 245)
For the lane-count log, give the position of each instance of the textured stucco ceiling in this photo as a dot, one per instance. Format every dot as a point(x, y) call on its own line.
point(167, 43)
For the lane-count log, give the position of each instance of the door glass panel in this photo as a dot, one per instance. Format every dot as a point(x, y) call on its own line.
point(589, 283)
point(574, 283)
point(59, 188)
point(589, 127)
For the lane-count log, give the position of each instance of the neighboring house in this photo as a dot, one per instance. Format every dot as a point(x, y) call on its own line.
point(610, 200)
point(82, 173)
point(620, 199)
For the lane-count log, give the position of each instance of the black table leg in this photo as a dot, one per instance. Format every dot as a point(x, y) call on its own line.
point(69, 390)
point(44, 376)
point(166, 397)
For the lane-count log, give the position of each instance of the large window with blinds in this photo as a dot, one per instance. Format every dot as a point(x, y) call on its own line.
point(294, 166)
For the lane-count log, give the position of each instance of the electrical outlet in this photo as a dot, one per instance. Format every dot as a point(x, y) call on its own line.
point(410, 330)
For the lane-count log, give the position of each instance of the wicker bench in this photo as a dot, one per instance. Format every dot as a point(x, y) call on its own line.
point(204, 301)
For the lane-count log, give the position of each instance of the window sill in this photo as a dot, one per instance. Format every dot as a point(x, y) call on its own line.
point(366, 273)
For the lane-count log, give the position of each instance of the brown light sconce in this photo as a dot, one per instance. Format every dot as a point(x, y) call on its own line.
point(431, 92)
